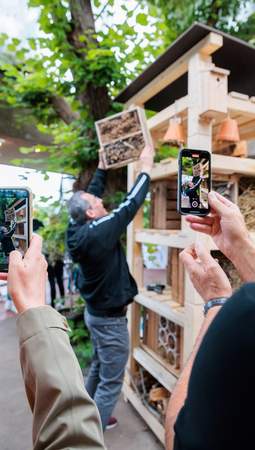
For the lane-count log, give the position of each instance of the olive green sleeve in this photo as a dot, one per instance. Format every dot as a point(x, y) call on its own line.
point(64, 416)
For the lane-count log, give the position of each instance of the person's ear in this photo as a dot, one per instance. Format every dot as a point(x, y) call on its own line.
point(90, 213)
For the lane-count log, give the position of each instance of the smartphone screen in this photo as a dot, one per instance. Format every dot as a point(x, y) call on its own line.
point(15, 223)
point(194, 182)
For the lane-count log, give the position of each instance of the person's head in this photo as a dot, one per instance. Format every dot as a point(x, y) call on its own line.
point(84, 206)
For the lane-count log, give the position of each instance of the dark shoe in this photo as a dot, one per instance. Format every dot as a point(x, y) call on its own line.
point(112, 423)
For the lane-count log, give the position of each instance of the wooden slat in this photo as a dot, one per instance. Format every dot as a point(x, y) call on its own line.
point(174, 256)
point(162, 118)
point(168, 309)
point(164, 377)
point(246, 107)
point(170, 238)
point(152, 337)
point(220, 164)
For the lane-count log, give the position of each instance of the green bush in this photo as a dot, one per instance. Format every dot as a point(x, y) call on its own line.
point(80, 341)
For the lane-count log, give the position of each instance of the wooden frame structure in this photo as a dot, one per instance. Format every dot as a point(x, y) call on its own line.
point(172, 320)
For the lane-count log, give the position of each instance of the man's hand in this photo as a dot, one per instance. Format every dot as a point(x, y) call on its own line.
point(27, 276)
point(225, 225)
point(208, 278)
point(147, 158)
point(101, 162)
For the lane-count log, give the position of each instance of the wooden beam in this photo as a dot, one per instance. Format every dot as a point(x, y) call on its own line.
point(169, 238)
point(169, 309)
point(146, 415)
point(220, 164)
point(161, 171)
point(167, 379)
point(162, 118)
point(205, 47)
point(230, 164)
point(240, 105)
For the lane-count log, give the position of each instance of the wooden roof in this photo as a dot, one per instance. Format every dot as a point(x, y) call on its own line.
point(235, 55)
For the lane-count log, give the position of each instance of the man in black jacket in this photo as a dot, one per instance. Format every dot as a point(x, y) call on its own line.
point(93, 239)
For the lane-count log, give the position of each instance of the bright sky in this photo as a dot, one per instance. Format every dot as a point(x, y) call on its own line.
point(17, 20)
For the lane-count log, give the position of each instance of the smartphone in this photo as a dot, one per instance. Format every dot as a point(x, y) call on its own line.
point(15, 222)
point(194, 182)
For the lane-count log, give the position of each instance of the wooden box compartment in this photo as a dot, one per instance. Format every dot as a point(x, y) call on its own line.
point(162, 338)
point(164, 213)
point(151, 393)
point(122, 137)
point(246, 201)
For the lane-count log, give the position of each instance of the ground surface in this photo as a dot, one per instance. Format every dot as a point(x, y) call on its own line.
point(15, 418)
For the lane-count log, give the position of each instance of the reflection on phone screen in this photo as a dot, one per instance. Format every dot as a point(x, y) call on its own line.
point(195, 182)
point(14, 223)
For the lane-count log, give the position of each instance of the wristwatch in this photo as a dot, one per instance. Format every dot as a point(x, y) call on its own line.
point(219, 301)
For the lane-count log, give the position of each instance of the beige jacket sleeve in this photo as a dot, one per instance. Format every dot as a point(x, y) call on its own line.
point(64, 416)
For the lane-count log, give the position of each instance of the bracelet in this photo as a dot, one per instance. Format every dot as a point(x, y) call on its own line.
point(219, 301)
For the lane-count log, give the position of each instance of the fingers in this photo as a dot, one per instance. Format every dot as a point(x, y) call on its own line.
point(208, 220)
point(188, 257)
point(35, 248)
point(219, 203)
point(203, 253)
point(206, 229)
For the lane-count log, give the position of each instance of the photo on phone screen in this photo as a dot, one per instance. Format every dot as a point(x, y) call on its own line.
point(194, 182)
point(14, 223)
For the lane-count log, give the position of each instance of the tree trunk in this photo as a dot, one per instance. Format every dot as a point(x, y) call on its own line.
point(95, 98)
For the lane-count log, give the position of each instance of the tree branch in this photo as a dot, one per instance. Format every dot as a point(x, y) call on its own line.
point(63, 109)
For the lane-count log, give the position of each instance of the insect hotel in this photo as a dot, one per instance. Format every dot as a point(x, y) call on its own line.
point(202, 93)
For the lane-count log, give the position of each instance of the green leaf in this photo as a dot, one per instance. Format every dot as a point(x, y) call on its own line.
point(142, 19)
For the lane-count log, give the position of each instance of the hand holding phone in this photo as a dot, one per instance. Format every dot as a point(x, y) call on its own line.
point(15, 223)
point(194, 182)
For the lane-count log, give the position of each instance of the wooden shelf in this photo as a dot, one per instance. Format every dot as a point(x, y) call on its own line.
point(169, 238)
point(164, 377)
point(162, 305)
point(147, 416)
point(221, 164)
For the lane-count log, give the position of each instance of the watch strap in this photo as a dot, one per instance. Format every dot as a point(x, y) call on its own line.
point(219, 301)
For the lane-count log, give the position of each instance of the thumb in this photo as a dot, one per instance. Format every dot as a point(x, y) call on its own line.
point(217, 204)
point(203, 253)
point(15, 258)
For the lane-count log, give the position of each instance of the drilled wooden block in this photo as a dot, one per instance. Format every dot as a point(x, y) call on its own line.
point(169, 342)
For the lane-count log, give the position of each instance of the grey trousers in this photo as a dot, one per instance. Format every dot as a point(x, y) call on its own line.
point(110, 341)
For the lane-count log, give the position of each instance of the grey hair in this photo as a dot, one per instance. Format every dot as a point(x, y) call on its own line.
point(78, 207)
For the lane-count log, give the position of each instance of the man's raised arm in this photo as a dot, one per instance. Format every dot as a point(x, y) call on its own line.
point(109, 228)
point(97, 185)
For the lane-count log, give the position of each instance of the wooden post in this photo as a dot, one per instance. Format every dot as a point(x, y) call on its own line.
point(199, 137)
point(135, 262)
